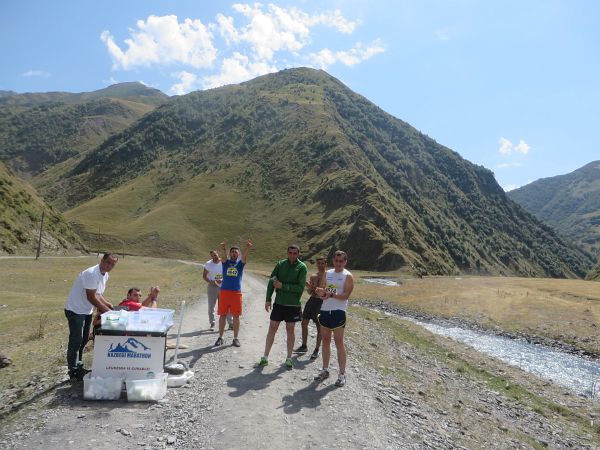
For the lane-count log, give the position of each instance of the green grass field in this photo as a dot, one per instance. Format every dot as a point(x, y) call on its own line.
point(188, 220)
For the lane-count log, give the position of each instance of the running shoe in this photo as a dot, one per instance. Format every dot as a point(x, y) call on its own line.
point(263, 361)
point(314, 354)
point(212, 325)
point(219, 341)
point(301, 349)
point(322, 375)
point(230, 326)
point(341, 381)
point(289, 364)
point(236, 342)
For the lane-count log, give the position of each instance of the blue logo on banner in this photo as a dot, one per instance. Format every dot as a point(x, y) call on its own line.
point(132, 348)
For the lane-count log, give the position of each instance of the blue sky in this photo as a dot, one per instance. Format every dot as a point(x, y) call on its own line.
point(510, 85)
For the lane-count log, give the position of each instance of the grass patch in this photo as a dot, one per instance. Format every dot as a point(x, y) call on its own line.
point(565, 310)
point(33, 327)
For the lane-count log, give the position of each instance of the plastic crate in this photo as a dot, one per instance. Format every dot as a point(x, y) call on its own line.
point(101, 388)
point(115, 320)
point(150, 389)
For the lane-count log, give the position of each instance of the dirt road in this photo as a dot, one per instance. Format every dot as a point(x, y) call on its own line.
point(401, 393)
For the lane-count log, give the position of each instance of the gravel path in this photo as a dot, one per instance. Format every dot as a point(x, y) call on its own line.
point(398, 395)
point(228, 404)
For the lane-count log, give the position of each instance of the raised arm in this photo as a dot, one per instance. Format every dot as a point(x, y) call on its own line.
point(151, 300)
point(246, 251)
point(224, 248)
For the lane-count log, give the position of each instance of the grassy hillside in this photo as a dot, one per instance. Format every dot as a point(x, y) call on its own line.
point(20, 217)
point(38, 131)
point(570, 203)
point(594, 274)
point(323, 166)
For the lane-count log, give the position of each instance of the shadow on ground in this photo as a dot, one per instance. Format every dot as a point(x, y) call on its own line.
point(308, 397)
point(253, 381)
point(199, 353)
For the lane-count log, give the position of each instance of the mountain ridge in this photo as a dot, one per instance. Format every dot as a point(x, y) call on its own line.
point(337, 171)
point(570, 203)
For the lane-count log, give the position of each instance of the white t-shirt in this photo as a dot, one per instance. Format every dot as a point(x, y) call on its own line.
point(215, 271)
point(335, 285)
point(90, 278)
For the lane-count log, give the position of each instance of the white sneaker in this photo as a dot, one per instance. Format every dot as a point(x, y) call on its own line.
point(341, 381)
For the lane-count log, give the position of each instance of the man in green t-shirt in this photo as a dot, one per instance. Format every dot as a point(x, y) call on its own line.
point(287, 279)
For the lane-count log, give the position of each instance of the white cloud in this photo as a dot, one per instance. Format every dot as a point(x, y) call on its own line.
point(507, 147)
point(510, 187)
point(36, 73)
point(359, 53)
point(187, 82)
point(111, 80)
point(266, 39)
point(236, 69)
point(443, 34)
point(522, 147)
point(164, 40)
point(274, 28)
point(508, 165)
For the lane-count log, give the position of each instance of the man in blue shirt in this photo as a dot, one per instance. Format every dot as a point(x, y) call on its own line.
point(230, 295)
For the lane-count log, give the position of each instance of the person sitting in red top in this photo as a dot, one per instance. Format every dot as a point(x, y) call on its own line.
point(132, 302)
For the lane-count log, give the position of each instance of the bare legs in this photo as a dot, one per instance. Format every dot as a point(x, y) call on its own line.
point(290, 331)
point(304, 325)
point(273, 326)
point(338, 336)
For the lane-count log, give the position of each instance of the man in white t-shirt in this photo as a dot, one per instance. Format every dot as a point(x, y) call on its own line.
point(213, 275)
point(87, 291)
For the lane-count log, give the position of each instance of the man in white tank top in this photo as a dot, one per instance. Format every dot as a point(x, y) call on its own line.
point(332, 318)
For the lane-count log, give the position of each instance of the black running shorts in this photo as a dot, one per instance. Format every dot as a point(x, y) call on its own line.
point(287, 313)
point(332, 319)
point(312, 309)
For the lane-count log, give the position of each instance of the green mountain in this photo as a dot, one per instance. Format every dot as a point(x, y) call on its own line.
point(20, 217)
point(40, 130)
point(594, 274)
point(133, 91)
point(570, 203)
point(297, 156)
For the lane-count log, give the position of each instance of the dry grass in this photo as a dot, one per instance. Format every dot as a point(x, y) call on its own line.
point(33, 327)
point(567, 310)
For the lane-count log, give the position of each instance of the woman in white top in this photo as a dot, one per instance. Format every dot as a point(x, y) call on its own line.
point(332, 319)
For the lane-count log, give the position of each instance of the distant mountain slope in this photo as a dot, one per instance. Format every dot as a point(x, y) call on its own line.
point(570, 203)
point(594, 274)
point(20, 215)
point(297, 156)
point(40, 130)
point(133, 91)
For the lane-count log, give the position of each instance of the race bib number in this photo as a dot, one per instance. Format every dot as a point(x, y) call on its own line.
point(331, 289)
point(232, 272)
point(218, 277)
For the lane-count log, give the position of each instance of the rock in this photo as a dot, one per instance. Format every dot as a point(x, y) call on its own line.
point(395, 398)
point(125, 432)
point(81, 416)
point(171, 439)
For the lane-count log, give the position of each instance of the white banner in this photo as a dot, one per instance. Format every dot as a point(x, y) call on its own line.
point(134, 357)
